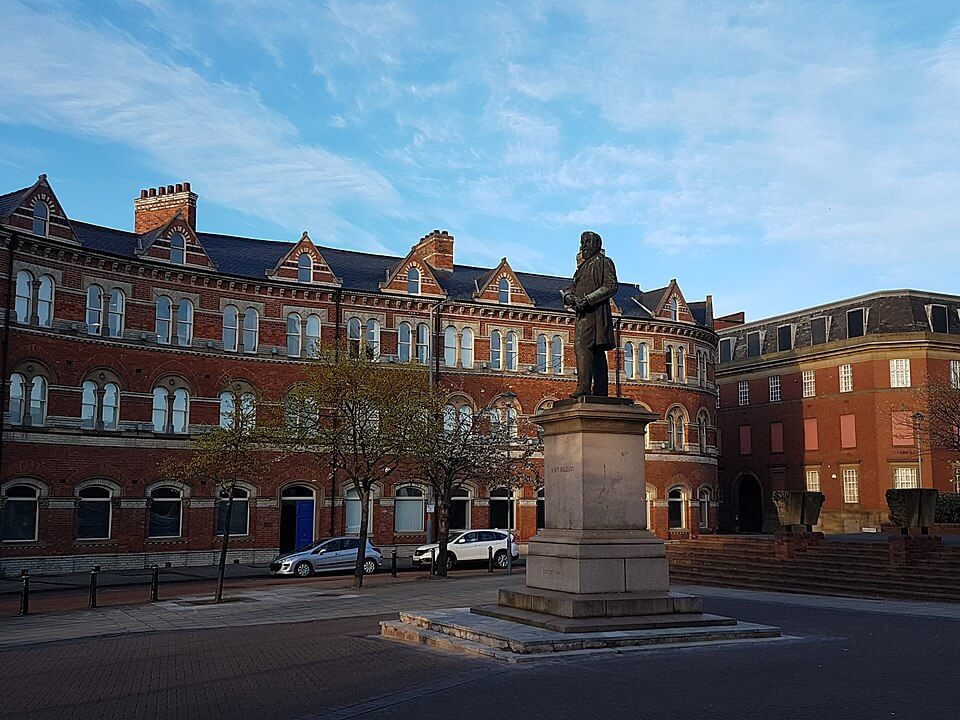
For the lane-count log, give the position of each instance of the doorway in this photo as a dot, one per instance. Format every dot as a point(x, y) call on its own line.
point(296, 518)
point(749, 505)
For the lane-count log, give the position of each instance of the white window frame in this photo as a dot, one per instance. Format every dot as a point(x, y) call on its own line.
point(703, 499)
point(178, 249)
point(900, 372)
point(109, 502)
point(774, 385)
point(23, 302)
point(184, 325)
point(43, 218)
point(231, 328)
point(94, 310)
point(420, 500)
point(905, 477)
point(301, 267)
point(846, 378)
point(629, 360)
point(851, 484)
point(178, 500)
point(743, 392)
point(809, 383)
point(164, 325)
point(812, 479)
point(253, 332)
point(955, 374)
point(450, 343)
point(866, 318)
point(222, 499)
point(466, 348)
point(116, 310)
point(414, 284)
point(294, 335)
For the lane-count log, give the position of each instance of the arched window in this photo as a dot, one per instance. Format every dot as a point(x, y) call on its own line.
point(178, 249)
point(16, 399)
point(674, 308)
point(160, 403)
point(466, 348)
point(466, 416)
point(353, 337)
point(41, 219)
point(230, 317)
point(668, 360)
point(408, 510)
point(503, 291)
point(181, 410)
point(403, 342)
point(372, 340)
point(496, 351)
point(234, 408)
point(94, 513)
point(511, 353)
point(449, 418)
point(676, 510)
point(351, 502)
point(628, 361)
point(413, 281)
point(450, 346)
point(164, 312)
point(556, 355)
point(251, 329)
point(94, 309)
point(675, 429)
point(293, 334)
point(458, 414)
point(239, 515)
point(541, 353)
point(423, 343)
point(460, 509)
point(184, 323)
point(304, 268)
point(166, 512)
point(171, 413)
point(643, 361)
point(228, 405)
point(501, 509)
point(681, 365)
point(110, 411)
point(88, 406)
point(115, 310)
point(313, 336)
point(45, 301)
point(704, 499)
point(20, 513)
point(23, 304)
point(702, 433)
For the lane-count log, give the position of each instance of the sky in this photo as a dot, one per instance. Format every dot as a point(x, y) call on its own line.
point(775, 155)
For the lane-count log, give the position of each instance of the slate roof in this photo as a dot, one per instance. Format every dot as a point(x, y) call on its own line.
point(11, 201)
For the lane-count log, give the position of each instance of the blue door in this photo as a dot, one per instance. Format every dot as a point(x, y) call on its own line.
point(304, 523)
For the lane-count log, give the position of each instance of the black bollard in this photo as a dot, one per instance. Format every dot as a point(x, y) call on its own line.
point(93, 586)
point(433, 563)
point(393, 563)
point(24, 593)
point(155, 584)
point(490, 559)
point(509, 555)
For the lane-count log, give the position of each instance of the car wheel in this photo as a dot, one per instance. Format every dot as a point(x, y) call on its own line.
point(303, 569)
point(369, 567)
point(500, 559)
point(451, 560)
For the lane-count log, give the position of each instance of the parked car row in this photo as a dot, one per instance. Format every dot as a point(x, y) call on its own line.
point(340, 553)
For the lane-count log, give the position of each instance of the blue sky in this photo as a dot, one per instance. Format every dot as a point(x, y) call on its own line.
point(776, 155)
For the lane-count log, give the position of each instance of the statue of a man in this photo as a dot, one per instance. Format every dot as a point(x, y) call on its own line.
point(594, 283)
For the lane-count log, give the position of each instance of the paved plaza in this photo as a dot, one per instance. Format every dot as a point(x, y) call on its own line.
point(311, 651)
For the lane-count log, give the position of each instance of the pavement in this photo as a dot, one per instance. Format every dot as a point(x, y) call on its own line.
point(306, 653)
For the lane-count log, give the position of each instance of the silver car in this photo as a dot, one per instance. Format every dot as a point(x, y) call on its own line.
point(327, 555)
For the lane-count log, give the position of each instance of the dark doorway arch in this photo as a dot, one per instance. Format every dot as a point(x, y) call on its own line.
point(749, 505)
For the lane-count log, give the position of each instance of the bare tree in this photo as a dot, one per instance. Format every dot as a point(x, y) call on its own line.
point(238, 449)
point(942, 418)
point(453, 449)
point(359, 416)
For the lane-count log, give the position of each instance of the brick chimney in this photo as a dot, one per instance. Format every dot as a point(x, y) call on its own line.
point(436, 249)
point(157, 206)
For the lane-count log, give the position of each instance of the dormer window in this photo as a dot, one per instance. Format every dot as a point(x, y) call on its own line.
point(413, 281)
point(304, 268)
point(178, 249)
point(41, 219)
point(674, 308)
point(503, 291)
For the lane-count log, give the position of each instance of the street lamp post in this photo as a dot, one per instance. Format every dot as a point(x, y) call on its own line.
point(917, 419)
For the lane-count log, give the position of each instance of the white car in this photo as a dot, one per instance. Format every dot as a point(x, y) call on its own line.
point(472, 545)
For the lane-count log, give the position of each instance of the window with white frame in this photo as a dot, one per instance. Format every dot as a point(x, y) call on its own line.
point(100, 406)
point(674, 308)
point(21, 511)
point(115, 312)
point(409, 509)
point(94, 310)
point(450, 346)
point(229, 413)
point(230, 326)
point(94, 512)
point(28, 399)
point(239, 513)
point(166, 512)
point(774, 383)
point(184, 323)
point(178, 249)
point(812, 477)
point(643, 361)
point(466, 348)
point(541, 353)
point(30, 294)
point(404, 340)
point(704, 498)
point(423, 343)
point(702, 432)
point(851, 485)
point(905, 478)
point(702, 368)
point(809, 383)
point(41, 219)
point(785, 338)
point(496, 350)
point(353, 337)
point(312, 336)
point(352, 508)
point(413, 281)
point(754, 344)
point(675, 430)
point(23, 299)
point(502, 509)
point(681, 365)
point(460, 509)
point(955, 374)
point(900, 373)
point(251, 330)
point(556, 355)
point(725, 350)
point(629, 362)
point(171, 410)
point(304, 269)
point(45, 301)
point(668, 361)
point(938, 318)
point(743, 392)
point(856, 323)
point(164, 321)
point(503, 291)
point(676, 509)
point(294, 332)
point(846, 378)
point(511, 354)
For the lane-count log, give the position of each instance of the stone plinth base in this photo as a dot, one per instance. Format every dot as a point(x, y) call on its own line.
point(597, 605)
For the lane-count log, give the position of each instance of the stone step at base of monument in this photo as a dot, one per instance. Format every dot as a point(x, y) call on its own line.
point(601, 624)
point(462, 630)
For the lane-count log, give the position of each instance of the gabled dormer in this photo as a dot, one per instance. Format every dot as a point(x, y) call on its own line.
point(174, 242)
point(502, 287)
point(413, 276)
point(305, 265)
point(672, 305)
point(36, 210)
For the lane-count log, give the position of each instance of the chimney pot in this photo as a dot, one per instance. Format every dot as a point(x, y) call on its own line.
point(143, 193)
point(170, 189)
point(158, 205)
point(153, 192)
point(161, 190)
point(179, 187)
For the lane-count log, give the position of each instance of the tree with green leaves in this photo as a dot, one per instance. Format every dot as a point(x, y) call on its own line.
point(360, 417)
point(239, 449)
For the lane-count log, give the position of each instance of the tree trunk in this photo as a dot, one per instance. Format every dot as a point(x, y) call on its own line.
point(443, 534)
point(362, 548)
point(222, 565)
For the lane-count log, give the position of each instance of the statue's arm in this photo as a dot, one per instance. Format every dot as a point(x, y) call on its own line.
point(608, 288)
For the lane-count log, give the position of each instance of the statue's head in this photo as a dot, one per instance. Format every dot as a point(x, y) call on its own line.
point(590, 244)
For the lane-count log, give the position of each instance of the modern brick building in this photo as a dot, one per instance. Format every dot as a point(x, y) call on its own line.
point(118, 345)
point(825, 399)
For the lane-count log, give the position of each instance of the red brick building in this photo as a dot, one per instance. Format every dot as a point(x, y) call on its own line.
point(824, 399)
point(118, 345)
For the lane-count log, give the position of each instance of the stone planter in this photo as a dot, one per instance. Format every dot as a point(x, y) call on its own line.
point(798, 510)
point(913, 508)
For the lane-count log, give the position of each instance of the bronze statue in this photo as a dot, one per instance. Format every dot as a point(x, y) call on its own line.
point(594, 283)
